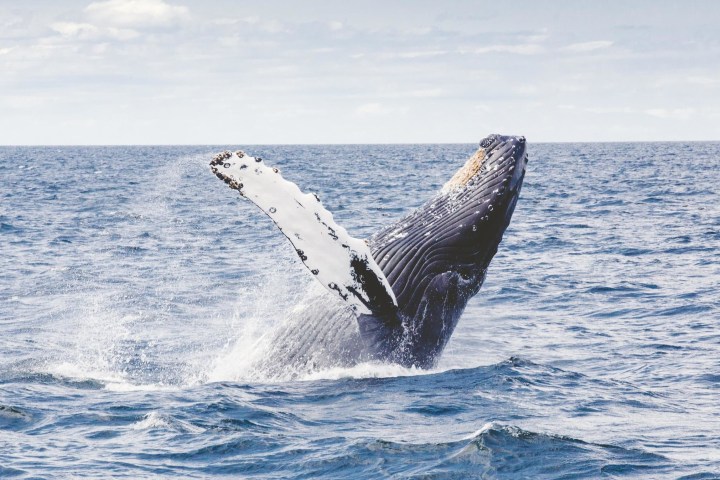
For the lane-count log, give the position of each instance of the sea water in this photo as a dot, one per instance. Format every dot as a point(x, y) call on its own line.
point(136, 290)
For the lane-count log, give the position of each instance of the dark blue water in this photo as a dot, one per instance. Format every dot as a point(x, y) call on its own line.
point(134, 287)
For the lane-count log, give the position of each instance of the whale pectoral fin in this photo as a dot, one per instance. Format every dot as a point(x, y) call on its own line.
point(341, 263)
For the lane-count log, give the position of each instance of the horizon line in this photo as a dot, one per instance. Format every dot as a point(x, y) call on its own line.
point(328, 144)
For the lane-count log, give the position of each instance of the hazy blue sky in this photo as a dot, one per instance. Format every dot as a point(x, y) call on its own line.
point(248, 72)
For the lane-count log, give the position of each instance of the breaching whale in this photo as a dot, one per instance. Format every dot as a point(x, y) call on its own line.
point(397, 296)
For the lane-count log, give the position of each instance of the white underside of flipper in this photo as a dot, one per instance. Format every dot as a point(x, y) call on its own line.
point(342, 264)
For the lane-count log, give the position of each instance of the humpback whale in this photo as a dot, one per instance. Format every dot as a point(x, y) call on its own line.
point(397, 296)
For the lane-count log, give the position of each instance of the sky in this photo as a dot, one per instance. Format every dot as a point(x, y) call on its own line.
point(289, 71)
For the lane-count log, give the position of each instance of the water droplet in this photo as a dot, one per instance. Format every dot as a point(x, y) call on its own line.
point(273, 210)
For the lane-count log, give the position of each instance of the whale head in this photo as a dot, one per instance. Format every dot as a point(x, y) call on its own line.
point(436, 258)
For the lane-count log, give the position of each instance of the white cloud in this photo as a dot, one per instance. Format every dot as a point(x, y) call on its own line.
point(519, 49)
point(87, 31)
point(369, 108)
point(252, 20)
point(703, 81)
point(77, 30)
point(664, 113)
point(22, 101)
point(526, 89)
point(267, 26)
point(588, 46)
point(273, 26)
point(121, 33)
point(535, 38)
point(671, 113)
point(136, 13)
point(424, 93)
point(419, 54)
point(386, 75)
point(8, 21)
point(410, 54)
point(373, 109)
point(611, 110)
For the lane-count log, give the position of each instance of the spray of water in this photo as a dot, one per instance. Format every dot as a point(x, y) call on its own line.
point(159, 305)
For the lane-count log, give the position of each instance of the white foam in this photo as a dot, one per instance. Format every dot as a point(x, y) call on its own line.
point(126, 386)
point(255, 317)
point(152, 420)
point(82, 372)
point(112, 380)
point(365, 370)
point(158, 421)
point(485, 428)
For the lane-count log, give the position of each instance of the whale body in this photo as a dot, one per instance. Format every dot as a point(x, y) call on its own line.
point(397, 296)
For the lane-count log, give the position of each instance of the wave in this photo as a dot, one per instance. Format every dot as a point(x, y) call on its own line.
point(510, 451)
point(495, 451)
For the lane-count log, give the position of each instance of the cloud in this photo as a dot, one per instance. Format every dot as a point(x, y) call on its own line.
point(410, 54)
point(87, 31)
point(382, 74)
point(588, 46)
point(374, 109)
point(424, 93)
point(519, 49)
point(526, 89)
point(665, 113)
point(78, 30)
point(703, 81)
point(611, 110)
point(136, 13)
point(420, 54)
point(672, 113)
point(8, 21)
point(22, 101)
point(483, 108)
point(258, 24)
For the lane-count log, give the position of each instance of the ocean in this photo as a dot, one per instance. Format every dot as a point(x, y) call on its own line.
point(135, 289)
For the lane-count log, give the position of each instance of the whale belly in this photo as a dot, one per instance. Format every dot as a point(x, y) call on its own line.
point(318, 334)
